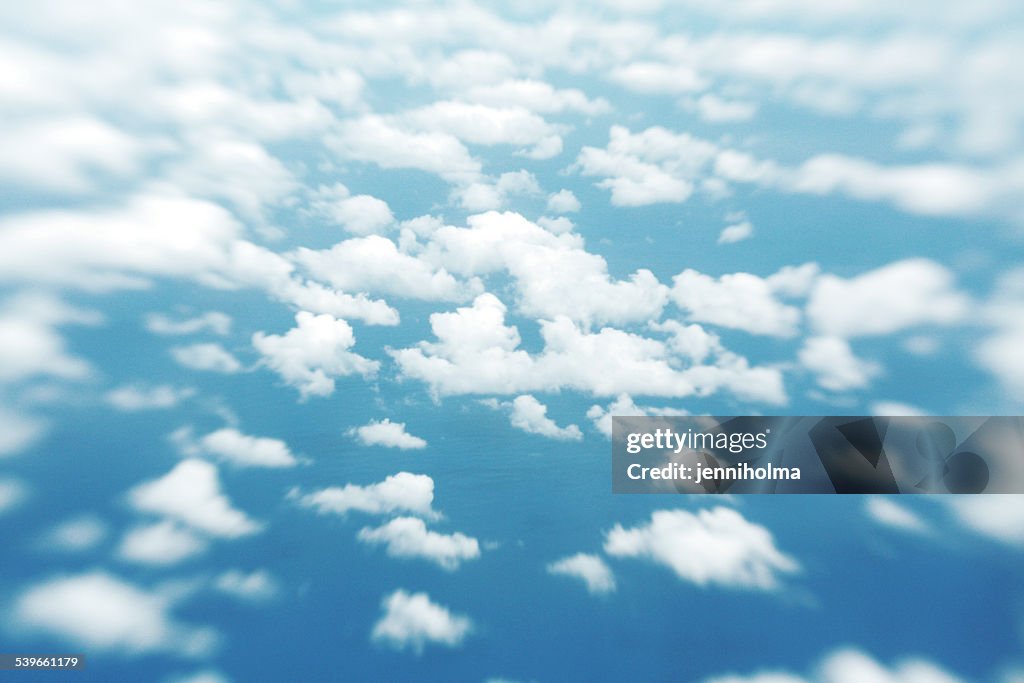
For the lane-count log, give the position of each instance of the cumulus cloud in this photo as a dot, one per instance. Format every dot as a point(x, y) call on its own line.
point(102, 612)
point(853, 666)
point(623, 405)
point(485, 125)
point(76, 535)
point(834, 364)
point(12, 493)
point(31, 345)
point(387, 434)
point(133, 398)
point(531, 416)
point(255, 586)
point(191, 494)
point(564, 201)
point(19, 431)
point(737, 232)
point(360, 214)
point(408, 537)
point(1000, 518)
point(161, 544)
point(476, 352)
point(207, 357)
point(744, 301)
point(889, 513)
point(312, 354)
point(894, 297)
point(236, 448)
point(536, 96)
point(716, 547)
point(413, 621)
point(402, 492)
point(214, 321)
point(590, 569)
point(999, 352)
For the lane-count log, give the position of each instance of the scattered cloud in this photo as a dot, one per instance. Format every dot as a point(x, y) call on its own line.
point(531, 416)
point(387, 434)
point(233, 447)
point(160, 544)
point(255, 586)
point(402, 492)
point(133, 398)
point(853, 666)
point(208, 357)
point(889, 513)
point(212, 321)
point(413, 621)
point(717, 547)
point(836, 367)
point(590, 569)
point(408, 537)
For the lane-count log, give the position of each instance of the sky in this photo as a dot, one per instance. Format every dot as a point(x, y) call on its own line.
point(313, 319)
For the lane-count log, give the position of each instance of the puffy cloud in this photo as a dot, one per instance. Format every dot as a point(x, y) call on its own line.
point(553, 273)
point(485, 195)
point(477, 353)
point(388, 434)
point(888, 299)
point(737, 232)
point(711, 547)
point(132, 398)
point(209, 357)
point(590, 569)
point(623, 405)
point(380, 141)
point(999, 353)
point(18, 431)
point(101, 612)
point(743, 301)
point(236, 448)
point(77, 534)
point(531, 416)
point(161, 544)
point(853, 666)
point(658, 78)
point(564, 201)
point(536, 96)
point(310, 355)
point(483, 125)
point(191, 494)
point(408, 537)
point(402, 492)
point(375, 264)
point(836, 367)
point(30, 344)
point(361, 214)
point(1000, 518)
point(254, 586)
point(892, 514)
point(12, 493)
point(714, 109)
point(413, 621)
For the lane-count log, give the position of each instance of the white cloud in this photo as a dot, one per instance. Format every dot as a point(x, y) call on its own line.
point(714, 109)
point(207, 357)
point(894, 297)
point(402, 492)
point(853, 666)
point(623, 405)
point(658, 78)
point(244, 450)
point(743, 301)
point(411, 620)
point(375, 264)
point(834, 364)
point(190, 493)
point(19, 431)
point(711, 547)
point(407, 537)
point(102, 612)
point(889, 513)
point(131, 398)
point(160, 544)
point(486, 195)
point(896, 408)
point(477, 353)
point(310, 355)
point(483, 125)
point(12, 493)
point(77, 534)
point(360, 214)
point(531, 416)
point(536, 96)
point(590, 569)
point(564, 201)
point(999, 517)
point(30, 345)
point(737, 232)
point(387, 434)
point(257, 585)
point(999, 353)
point(214, 321)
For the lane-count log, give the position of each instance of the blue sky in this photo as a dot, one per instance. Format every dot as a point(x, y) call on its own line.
point(312, 321)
